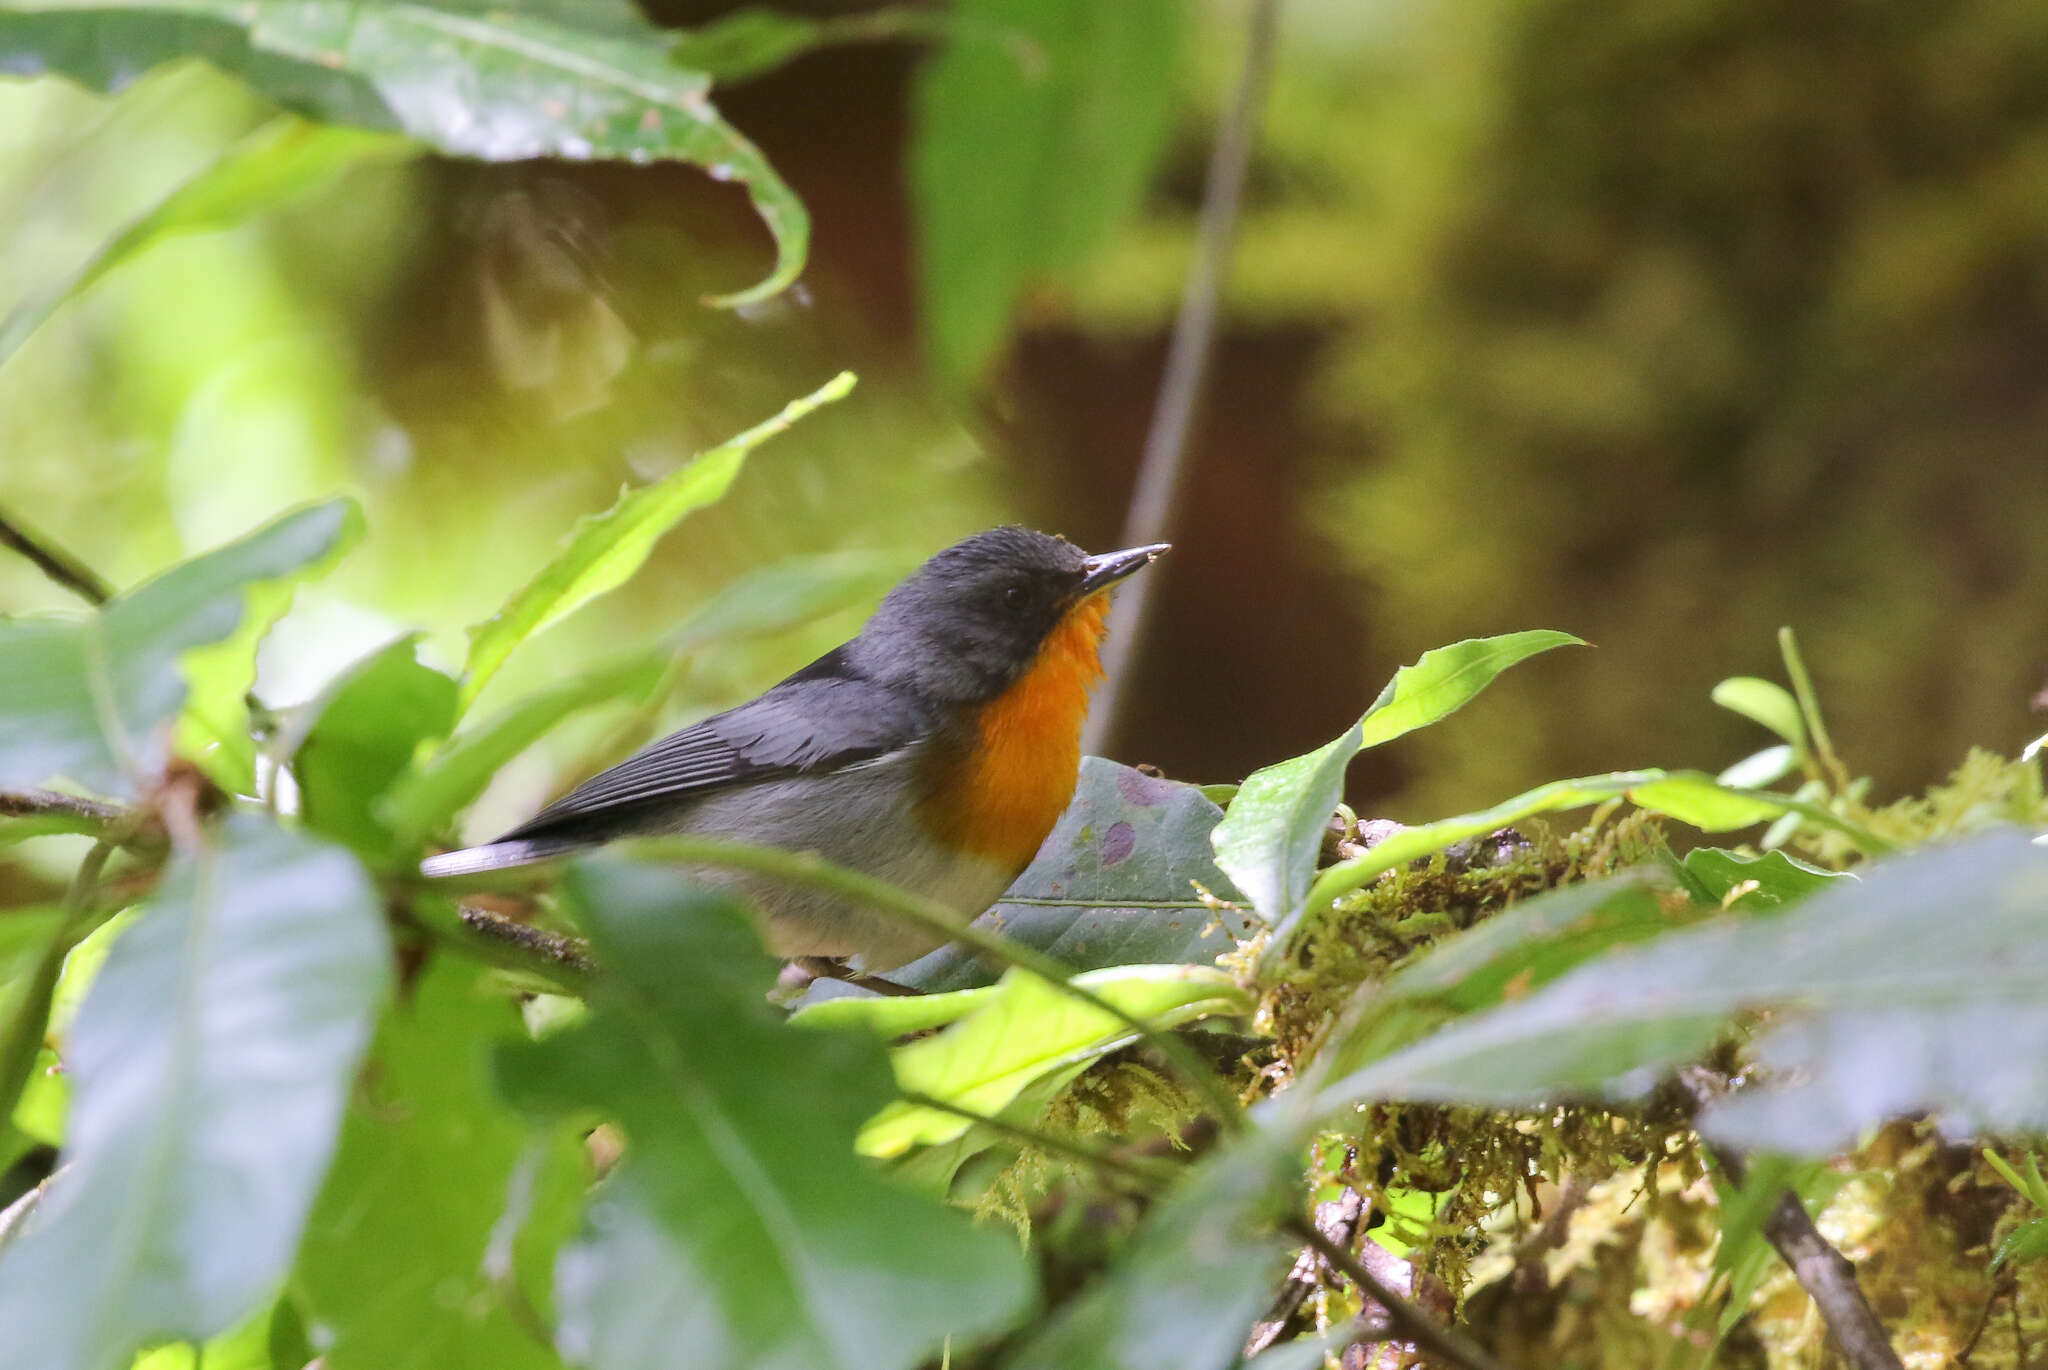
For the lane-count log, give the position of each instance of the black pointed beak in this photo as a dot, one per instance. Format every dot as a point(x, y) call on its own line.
point(1099, 573)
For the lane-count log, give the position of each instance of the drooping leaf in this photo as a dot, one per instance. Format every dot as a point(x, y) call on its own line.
point(284, 158)
point(601, 552)
point(428, 797)
point(394, 1265)
point(1028, 1029)
point(999, 129)
point(361, 736)
point(1113, 885)
point(499, 83)
point(1269, 840)
point(740, 1230)
point(93, 698)
point(1765, 702)
point(748, 42)
point(1883, 991)
point(210, 1066)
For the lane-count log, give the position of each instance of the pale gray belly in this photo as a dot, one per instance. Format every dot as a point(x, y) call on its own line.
point(860, 818)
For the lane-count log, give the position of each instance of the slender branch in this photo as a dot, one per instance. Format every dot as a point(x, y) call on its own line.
point(809, 868)
point(76, 814)
point(1162, 470)
point(556, 961)
point(1809, 707)
point(1407, 1321)
point(53, 561)
point(1338, 1220)
point(1827, 1276)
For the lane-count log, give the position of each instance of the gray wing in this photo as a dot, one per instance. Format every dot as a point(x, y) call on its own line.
point(821, 719)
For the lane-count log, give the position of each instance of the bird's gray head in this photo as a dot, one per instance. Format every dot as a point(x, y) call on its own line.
point(969, 621)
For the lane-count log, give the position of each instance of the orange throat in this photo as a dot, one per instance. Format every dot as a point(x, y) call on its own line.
point(1004, 783)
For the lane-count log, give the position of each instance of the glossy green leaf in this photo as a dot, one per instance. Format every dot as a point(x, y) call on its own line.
point(740, 1230)
point(1445, 679)
point(396, 1262)
point(1028, 1029)
point(284, 158)
point(500, 83)
point(360, 738)
point(1765, 702)
point(210, 1065)
point(1884, 990)
point(93, 698)
point(1112, 885)
point(999, 130)
point(1269, 840)
point(891, 1015)
point(427, 798)
point(1774, 877)
point(1758, 769)
point(603, 551)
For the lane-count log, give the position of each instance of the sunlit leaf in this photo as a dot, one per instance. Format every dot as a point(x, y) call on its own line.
point(501, 83)
point(394, 1266)
point(1269, 840)
point(1758, 769)
point(94, 698)
point(999, 130)
point(601, 552)
point(361, 736)
point(1112, 886)
point(210, 1063)
point(740, 1230)
point(284, 158)
point(1028, 1029)
point(892, 1015)
point(1765, 702)
point(1883, 998)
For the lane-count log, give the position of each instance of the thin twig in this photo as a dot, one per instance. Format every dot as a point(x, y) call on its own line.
point(53, 561)
point(1407, 1321)
point(80, 815)
point(1827, 1276)
point(1162, 469)
point(1338, 1220)
point(928, 915)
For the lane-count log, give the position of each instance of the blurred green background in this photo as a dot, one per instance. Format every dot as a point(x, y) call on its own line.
point(1663, 322)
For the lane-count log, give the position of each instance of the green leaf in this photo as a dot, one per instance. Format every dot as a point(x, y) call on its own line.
point(748, 42)
point(1446, 679)
point(787, 594)
point(1881, 1000)
point(999, 131)
point(428, 797)
point(394, 1265)
point(1758, 769)
point(740, 1230)
point(210, 1065)
point(1765, 702)
point(1028, 1029)
point(603, 551)
point(360, 737)
point(1110, 887)
point(284, 158)
point(891, 1015)
point(93, 698)
point(1743, 1253)
point(469, 80)
point(1269, 840)
point(1778, 879)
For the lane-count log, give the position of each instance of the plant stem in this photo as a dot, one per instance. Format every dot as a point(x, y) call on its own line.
point(1162, 470)
point(53, 561)
point(1406, 1321)
point(1149, 1176)
point(1809, 709)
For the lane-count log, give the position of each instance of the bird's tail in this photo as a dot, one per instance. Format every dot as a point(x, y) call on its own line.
point(494, 856)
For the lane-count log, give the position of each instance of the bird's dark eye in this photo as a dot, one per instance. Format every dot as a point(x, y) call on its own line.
point(1017, 598)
